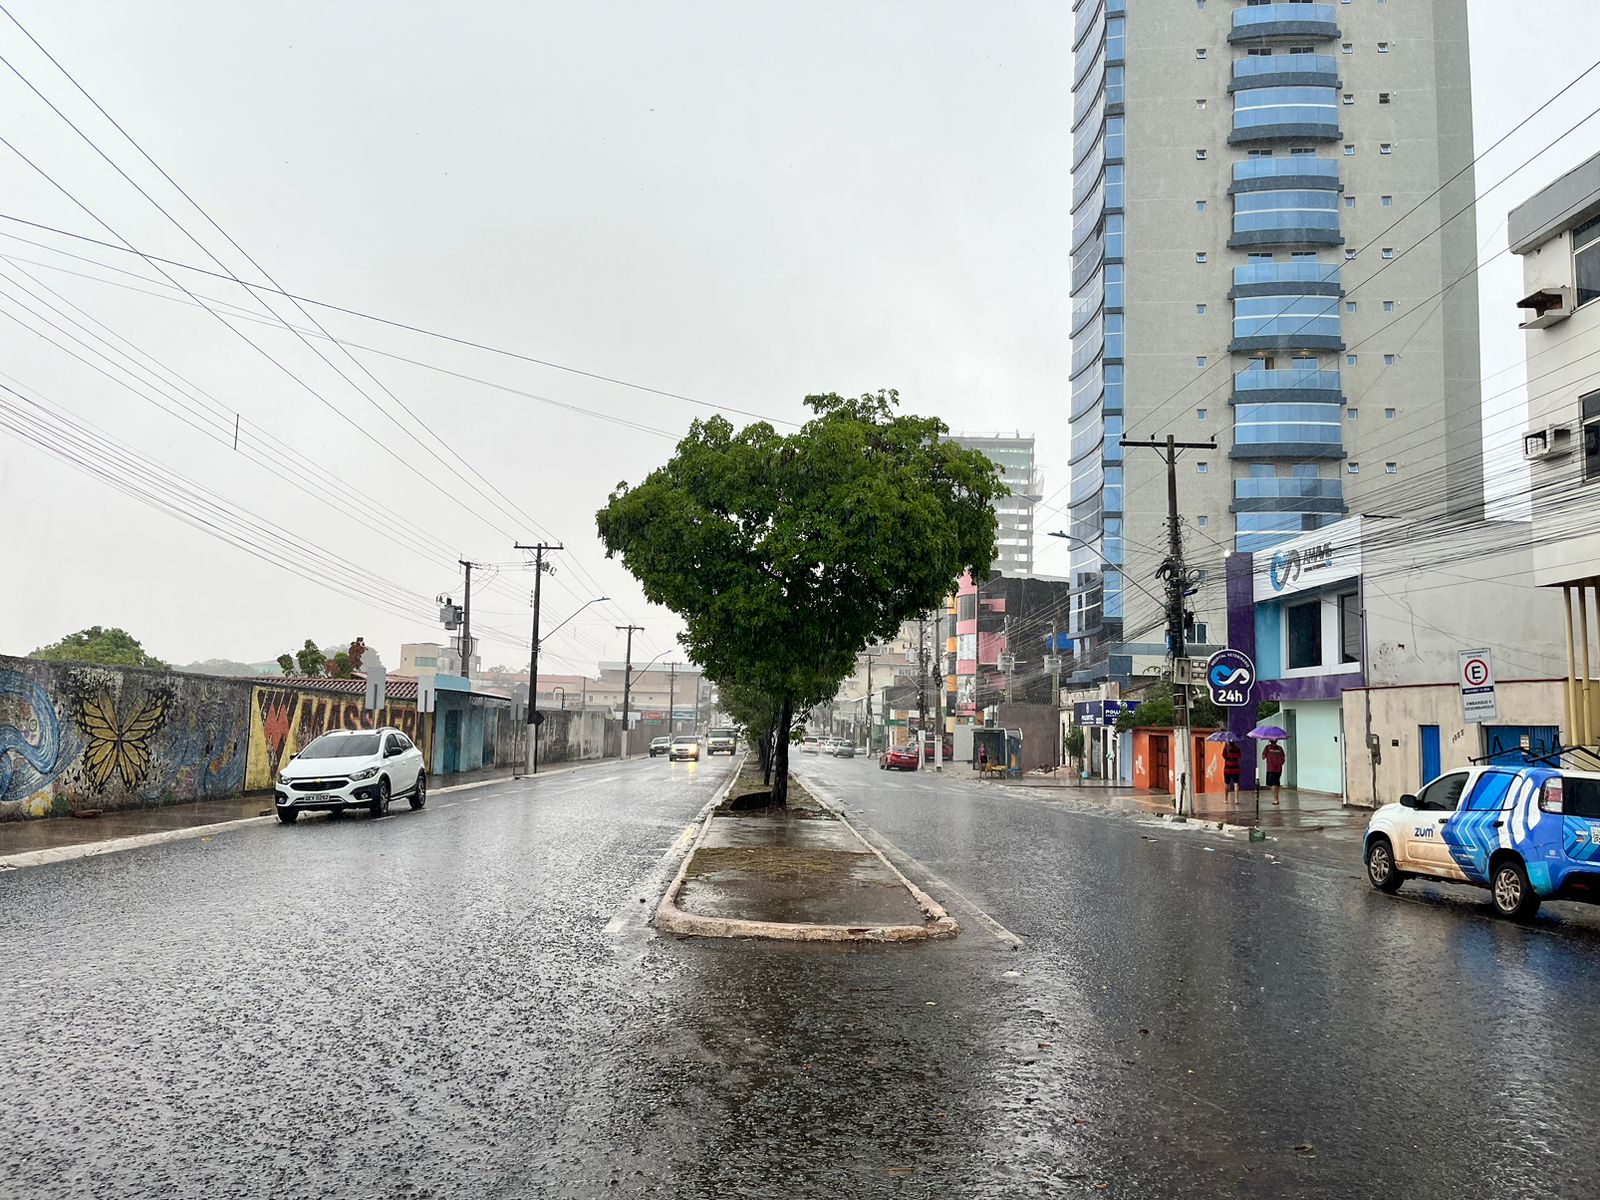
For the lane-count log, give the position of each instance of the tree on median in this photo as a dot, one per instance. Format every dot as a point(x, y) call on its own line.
point(786, 555)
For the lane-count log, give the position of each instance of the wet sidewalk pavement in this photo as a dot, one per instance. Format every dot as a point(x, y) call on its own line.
point(54, 833)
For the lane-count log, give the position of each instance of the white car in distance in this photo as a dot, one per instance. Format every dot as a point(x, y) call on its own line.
point(352, 768)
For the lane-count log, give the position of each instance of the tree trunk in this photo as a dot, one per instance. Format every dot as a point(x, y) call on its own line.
point(765, 752)
point(780, 770)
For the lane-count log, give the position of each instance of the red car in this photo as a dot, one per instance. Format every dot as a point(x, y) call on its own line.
point(898, 758)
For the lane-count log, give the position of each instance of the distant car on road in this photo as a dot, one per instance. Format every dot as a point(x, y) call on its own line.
point(844, 750)
point(659, 745)
point(1528, 834)
point(685, 745)
point(811, 745)
point(898, 758)
point(352, 768)
point(721, 741)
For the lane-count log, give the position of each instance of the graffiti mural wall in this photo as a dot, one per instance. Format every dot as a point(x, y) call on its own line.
point(283, 720)
point(77, 736)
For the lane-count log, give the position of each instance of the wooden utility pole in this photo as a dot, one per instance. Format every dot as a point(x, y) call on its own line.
point(534, 720)
point(627, 681)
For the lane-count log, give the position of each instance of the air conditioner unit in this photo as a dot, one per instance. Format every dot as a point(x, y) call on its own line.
point(1549, 442)
point(1548, 306)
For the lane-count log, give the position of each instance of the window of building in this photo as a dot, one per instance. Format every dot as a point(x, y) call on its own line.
point(1388, 251)
point(1383, 97)
point(1200, 155)
point(1199, 360)
point(1383, 47)
point(1199, 414)
point(1200, 52)
point(1388, 360)
point(1349, 201)
point(1391, 468)
point(1260, 256)
point(1352, 413)
point(1199, 256)
point(1349, 149)
point(1350, 627)
point(1388, 414)
point(1349, 254)
point(1591, 436)
point(1348, 98)
point(1303, 626)
point(1353, 468)
point(1200, 103)
point(1199, 206)
point(1349, 360)
point(1347, 48)
point(1202, 521)
point(1385, 148)
point(1202, 467)
point(1586, 260)
point(1293, 150)
point(1349, 306)
point(1199, 310)
point(1302, 256)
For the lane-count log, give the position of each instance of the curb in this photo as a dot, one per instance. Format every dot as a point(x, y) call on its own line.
point(672, 919)
point(137, 841)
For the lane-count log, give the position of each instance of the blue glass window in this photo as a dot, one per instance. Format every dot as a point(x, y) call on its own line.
point(1113, 387)
point(1112, 586)
point(1255, 107)
point(1116, 40)
point(1114, 236)
point(1115, 196)
point(1115, 79)
point(1285, 209)
point(1113, 446)
point(1286, 316)
point(1114, 335)
point(1113, 292)
point(1116, 137)
point(1255, 424)
point(1113, 497)
point(1113, 540)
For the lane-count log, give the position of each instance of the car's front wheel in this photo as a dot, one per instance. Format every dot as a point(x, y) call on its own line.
point(1513, 896)
point(288, 815)
point(419, 795)
point(1381, 870)
point(380, 806)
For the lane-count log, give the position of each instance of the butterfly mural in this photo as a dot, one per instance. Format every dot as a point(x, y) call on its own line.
point(117, 746)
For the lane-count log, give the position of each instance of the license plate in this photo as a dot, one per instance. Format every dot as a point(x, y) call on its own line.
point(319, 797)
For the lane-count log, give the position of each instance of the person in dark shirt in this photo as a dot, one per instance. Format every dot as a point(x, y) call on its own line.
point(1230, 767)
point(1273, 756)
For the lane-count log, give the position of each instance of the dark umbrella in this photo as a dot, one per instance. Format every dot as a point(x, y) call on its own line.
point(1269, 733)
point(1223, 735)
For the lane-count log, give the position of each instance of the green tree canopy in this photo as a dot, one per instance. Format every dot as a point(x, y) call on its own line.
point(787, 554)
point(112, 647)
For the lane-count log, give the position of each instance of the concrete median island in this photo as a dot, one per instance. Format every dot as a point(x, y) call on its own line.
point(798, 873)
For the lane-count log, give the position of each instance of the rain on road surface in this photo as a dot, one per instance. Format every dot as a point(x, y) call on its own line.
point(467, 1002)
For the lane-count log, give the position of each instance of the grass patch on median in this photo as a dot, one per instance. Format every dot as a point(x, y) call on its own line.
point(748, 797)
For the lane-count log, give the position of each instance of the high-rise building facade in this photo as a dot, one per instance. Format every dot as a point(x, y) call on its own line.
point(1013, 513)
point(1265, 252)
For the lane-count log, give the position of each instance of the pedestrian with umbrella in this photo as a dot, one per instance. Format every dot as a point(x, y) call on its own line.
point(1230, 760)
point(1273, 755)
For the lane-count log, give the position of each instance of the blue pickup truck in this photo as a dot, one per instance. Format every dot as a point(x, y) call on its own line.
point(1528, 834)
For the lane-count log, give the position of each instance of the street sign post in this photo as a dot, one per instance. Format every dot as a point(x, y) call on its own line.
point(377, 681)
point(1231, 678)
point(1476, 677)
point(426, 691)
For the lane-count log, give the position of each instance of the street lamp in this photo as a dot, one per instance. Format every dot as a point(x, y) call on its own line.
point(533, 682)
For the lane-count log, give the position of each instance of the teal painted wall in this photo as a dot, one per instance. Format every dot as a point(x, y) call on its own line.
point(1316, 753)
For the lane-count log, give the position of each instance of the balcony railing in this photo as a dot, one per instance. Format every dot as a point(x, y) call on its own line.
point(1256, 66)
point(1274, 20)
point(1296, 166)
point(1288, 489)
point(1292, 379)
point(1289, 272)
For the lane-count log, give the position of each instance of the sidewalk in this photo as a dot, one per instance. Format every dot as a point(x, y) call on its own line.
point(1297, 812)
point(54, 833)
point(799, 873)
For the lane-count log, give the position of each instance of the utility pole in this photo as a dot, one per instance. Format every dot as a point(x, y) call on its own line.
point(672, 698)
point(922, 679)
point(1055, 687)
point(466, 624)
point(1177, 581)
point(1011, 657)
point(977, 651)
point(539, 568)
point(627, 681)
point(869, 658)
point(938, 698)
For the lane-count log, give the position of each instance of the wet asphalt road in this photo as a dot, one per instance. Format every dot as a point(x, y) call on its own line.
point(467, 1002)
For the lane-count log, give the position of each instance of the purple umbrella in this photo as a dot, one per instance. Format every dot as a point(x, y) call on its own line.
point(1268, 733)
point(1223, 735)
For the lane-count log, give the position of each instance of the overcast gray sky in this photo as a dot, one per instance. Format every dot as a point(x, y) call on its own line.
point(739, 203)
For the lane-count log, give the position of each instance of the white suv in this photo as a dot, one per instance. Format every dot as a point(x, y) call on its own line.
point(352, 768)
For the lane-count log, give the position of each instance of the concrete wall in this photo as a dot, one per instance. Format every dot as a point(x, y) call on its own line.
point(79, 736)
point(573, 736)
point(1396, 714)
point(285, 719)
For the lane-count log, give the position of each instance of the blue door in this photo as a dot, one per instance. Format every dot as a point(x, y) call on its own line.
point(452, 741)
point(1429, 735)
point(1505, 743)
